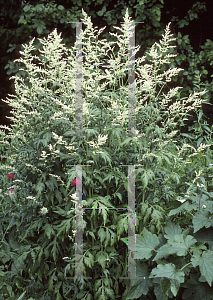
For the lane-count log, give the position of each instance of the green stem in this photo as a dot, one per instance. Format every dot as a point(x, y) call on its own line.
point(92, 236)
point(143, 198)
point(185, 266)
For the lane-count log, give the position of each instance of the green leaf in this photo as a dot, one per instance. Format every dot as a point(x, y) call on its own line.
point(58, 195)
point(90, 233)
point(200, 115)
point(102, 234)
point(185, 206)
point(187, 135)
point(89, 260)
point(146, 244)
point(177, 246)
point(39, 188)
point(105, 156)
point(205, 263)
point(54, 250)
point(50, 283)
point(60, 7)
point(172, 229)
point(27, 8)
point(40, 29)
point(101, 258)
point(202, 219)
point(159, 293)
point(169, 271)
point(147, 176)
point(59, 297)
point(165, 286)
point(102, 11)
point(139, 286)
point(49, 230)
point(200, 139)
point(109, 292)
point(103, 211)
point(204, 234)
point(21, 19)
point(64, 226)
point(40, 256)
point(196, 290)
point(136, 290)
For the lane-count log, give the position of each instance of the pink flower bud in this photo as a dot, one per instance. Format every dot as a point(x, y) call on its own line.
point(11, 192)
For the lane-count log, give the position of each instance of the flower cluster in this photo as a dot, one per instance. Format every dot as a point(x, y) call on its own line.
point(44, 210)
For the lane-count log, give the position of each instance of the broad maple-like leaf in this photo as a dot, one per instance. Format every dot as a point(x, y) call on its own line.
point(146, 244)
point(205, 263)
point(169, 271)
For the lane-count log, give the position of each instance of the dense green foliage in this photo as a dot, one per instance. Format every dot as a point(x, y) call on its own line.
point(174, 187)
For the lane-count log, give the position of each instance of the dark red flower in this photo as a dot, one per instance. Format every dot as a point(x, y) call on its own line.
point(10, 175)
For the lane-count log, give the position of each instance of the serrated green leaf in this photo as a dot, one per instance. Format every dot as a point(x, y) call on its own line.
point(40, 256)
point(165, 286)
point(50, 283)
point(89, 261)
point(139, 286)
point(202, 219)
point(205, 263)
point(147, 214)
point(58, 195)
point(146, 244)
point(103, 211)
point(39, 187)
point(49, 230)
point(105, 156)
point(102, 234)
point(59, 297)
point(64, 226)
point(172, 229)
point(101, 258)
point(174, 286)
point(177, 246)
point(109, 292)
point(185, 206)
point(91, 233)
point(169, 271)
point(147, 176)
point(136, 290)
point(158, 293)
